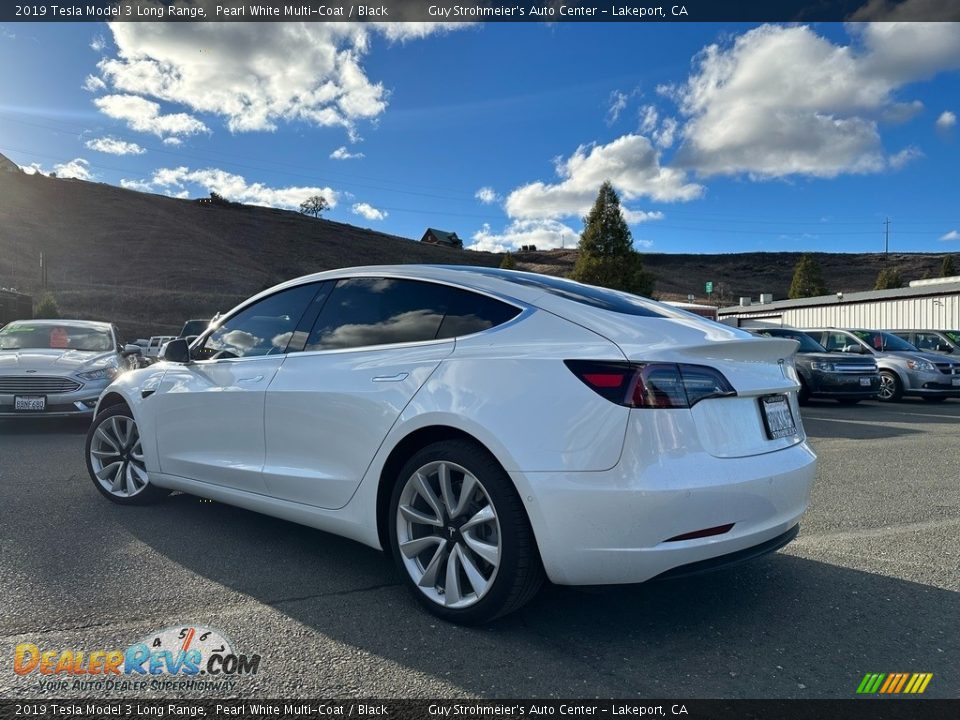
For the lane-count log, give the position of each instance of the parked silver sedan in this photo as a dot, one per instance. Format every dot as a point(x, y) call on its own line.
point(57, 368)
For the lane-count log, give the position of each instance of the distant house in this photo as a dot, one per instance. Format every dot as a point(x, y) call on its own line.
point(441, 237)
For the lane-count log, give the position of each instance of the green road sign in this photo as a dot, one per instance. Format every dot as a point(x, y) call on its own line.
point(709, 287)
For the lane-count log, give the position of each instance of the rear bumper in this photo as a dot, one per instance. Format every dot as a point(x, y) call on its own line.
point(735, 558)
point(617, 526)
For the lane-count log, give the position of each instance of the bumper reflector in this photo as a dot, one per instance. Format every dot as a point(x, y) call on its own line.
point(706, 532)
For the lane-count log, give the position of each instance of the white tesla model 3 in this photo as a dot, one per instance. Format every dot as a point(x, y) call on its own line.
point(486, 426)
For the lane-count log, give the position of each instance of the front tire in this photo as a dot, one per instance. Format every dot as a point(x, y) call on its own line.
point(115, 459)
point(460, 536)
point(891, 389)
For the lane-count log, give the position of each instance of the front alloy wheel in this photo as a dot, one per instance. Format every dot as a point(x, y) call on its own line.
point(115, 458)
point(460, 535)
point(891, 389)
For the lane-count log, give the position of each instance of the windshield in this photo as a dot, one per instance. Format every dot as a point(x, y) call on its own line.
point(953, 336)
point(807, 343)
point(884, 341)
point(194, 327)
point(31, 336)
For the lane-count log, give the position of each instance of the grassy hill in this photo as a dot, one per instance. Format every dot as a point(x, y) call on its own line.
point(149, 262)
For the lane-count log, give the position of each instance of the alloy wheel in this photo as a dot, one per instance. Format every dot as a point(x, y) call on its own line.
point(448, 534)
point(887, 386)
point(116, 457)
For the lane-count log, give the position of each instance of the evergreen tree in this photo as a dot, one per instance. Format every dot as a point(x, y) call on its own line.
point(508, 262)
point(807, 279)
point(888, 279)
point(47, 308)
point(607, 257)
point(948, 269)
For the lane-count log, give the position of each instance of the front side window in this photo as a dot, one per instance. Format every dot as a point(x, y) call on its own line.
point(363, 312)
point(264, 328)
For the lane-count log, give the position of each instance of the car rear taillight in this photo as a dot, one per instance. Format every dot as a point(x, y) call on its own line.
point(651, 385)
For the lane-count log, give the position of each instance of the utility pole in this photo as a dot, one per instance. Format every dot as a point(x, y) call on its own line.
point(886, 239)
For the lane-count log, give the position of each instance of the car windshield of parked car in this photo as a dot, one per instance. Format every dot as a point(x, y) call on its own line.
point(953, 335)
point(33, 336)
point(884, 342)
point(807, 343)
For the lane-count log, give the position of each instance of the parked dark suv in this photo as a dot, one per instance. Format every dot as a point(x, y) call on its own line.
point(937, 341)
point(847, 380)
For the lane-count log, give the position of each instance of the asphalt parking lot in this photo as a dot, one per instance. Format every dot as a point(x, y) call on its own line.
point(871, 585)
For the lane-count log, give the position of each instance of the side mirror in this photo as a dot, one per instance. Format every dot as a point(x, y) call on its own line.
point(855, 349)
point(176, 351)
point(131, 349)
point(944, 348)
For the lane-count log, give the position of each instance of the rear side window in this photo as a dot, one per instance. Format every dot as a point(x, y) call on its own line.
point(363, 312)
point(591, 295)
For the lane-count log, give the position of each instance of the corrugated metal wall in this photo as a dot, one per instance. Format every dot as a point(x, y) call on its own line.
point(934, 312)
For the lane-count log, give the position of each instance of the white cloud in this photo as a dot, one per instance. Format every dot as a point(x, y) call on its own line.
point(947, 120)
point(486, 195)
point(172, 141)
point(630, 163)
point(114, 147)
point(618, 103)
point(341, 153)
point(94, 84)
point(178, 181)
point(634, 217)
point(952, 235)
point(368, 211)
point(98, 44)
point(905, 156)
point(144, 116)
point(5, 33)
point(545, 234)
point(77, 168)
point(256, 75)
point(783, 101)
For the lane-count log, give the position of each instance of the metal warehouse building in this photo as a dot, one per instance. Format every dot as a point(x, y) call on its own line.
point(926, 305)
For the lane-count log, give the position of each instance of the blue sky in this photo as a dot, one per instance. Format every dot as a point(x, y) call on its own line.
point(720, 138)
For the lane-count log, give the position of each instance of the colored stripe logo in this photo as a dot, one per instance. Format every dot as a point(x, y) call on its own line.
point(894, 683)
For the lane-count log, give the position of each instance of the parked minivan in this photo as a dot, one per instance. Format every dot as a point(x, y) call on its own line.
point(848, 380)
point(904, 370)
point(946, 342)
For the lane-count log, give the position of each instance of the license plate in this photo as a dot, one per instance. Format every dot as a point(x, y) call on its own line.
point(777, 417)
point(30, 403)
point(864, 382)
point(956, 382)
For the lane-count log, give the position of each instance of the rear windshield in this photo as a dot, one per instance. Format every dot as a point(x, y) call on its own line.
point(807, 343)
point(30, 336)
point(591, 295)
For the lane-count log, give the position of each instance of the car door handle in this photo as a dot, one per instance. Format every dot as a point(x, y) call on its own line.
point(391, 378)
point(254, 379)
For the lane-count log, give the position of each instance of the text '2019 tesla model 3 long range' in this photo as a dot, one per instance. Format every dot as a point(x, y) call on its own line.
point(486, 427)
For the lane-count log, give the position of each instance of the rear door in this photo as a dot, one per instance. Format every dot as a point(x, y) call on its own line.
point(374, 344)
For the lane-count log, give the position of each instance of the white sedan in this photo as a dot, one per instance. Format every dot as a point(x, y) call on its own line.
point(487, 427)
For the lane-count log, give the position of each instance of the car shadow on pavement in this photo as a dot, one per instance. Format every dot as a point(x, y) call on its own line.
point(781, 626)
point(44, 426)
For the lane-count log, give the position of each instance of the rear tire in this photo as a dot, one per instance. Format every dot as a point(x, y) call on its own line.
point(115, 459)
point(460, 536)
point(891, 389)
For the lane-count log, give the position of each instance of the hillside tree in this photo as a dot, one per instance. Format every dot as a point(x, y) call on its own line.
point(47, 308)
point(948, 269)
point(314, 206)
point(807, 279)
point(508, 262)
point(606, 256)
point(888, 279)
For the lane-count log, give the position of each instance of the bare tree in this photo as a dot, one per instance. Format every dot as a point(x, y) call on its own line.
point(314, 205)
